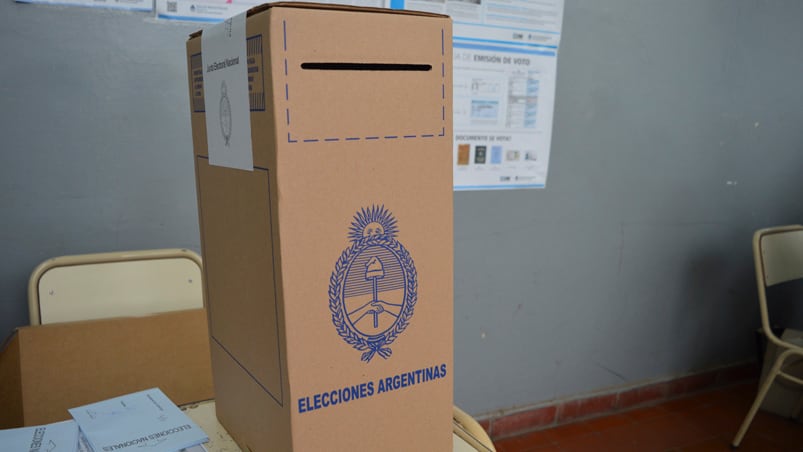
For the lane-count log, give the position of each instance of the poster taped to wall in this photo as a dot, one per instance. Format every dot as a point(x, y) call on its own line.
point(202, 11)
point(219, 10)
point(505, 64)
point(130, 5)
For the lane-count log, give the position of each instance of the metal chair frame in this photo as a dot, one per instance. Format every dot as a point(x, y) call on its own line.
point(778, 257)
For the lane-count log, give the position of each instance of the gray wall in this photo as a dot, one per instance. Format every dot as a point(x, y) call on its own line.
point(677, 133)
point(96, 148)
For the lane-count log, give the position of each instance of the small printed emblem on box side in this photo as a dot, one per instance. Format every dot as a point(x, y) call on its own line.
point(225, 114)
point(374, 286)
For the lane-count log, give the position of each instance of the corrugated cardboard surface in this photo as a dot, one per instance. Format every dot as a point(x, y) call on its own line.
point(244, 316)
point(10, 384)
point(330, 144)
point(66, 365)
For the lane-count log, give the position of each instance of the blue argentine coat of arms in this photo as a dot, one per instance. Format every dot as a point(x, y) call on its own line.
point(374, 286)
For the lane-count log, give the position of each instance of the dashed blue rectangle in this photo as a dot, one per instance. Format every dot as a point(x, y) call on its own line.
point(296, 139)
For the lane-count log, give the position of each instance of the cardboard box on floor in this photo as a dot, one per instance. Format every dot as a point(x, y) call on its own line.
point(328, 257)
point(46, 369)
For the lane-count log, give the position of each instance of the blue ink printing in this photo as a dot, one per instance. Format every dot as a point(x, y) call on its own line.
point(374, 286)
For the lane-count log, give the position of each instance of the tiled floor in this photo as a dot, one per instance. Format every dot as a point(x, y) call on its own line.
point(701, 422)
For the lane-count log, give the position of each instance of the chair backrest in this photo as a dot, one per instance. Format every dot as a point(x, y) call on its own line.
point(778, 257)
point(469, 436)
point(779, 254)
point(95, 286)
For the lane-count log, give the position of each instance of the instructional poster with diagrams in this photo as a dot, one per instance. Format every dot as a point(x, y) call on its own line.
point(219, 10)
point(505, 64)
point(131, 5)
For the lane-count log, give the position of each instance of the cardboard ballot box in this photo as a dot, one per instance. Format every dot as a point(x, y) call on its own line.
point(322, 139)
point(47, 369)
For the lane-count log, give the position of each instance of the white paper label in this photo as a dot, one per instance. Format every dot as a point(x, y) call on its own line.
point(228, 113)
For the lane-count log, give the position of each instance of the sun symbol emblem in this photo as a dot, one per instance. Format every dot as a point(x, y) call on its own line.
point(374, 286)
point(225, 113)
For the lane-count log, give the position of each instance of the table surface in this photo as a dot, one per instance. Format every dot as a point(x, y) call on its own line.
point(219, 440)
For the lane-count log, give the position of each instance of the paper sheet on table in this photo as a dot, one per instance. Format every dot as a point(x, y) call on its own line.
point(144, 419)
point(58, 437)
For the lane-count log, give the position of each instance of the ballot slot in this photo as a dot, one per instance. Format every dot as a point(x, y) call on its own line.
point(343, 66)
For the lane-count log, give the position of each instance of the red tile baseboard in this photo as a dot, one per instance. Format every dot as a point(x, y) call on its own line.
point(643, 395)
point(567, 411)
point(571, 410)
point(525, 420)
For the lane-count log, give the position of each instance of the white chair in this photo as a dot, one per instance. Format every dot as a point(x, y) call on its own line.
point(778, 257)
point(131, 283)
point(469, 436)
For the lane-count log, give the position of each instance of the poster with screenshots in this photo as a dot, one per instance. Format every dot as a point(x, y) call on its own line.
point(218, 10)
point(505, 66)
point(130, 5)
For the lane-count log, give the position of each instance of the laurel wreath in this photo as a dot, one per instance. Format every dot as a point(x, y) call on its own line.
point(379, 345)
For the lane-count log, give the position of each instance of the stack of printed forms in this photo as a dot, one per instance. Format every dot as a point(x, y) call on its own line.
point(146, 419)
